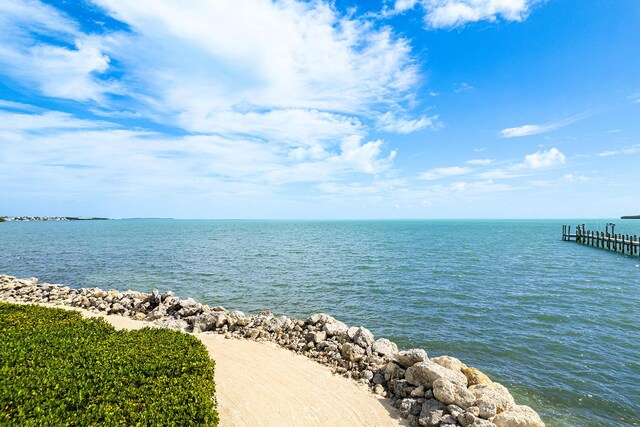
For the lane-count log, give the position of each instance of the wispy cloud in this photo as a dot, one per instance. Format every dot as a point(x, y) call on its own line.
point(70, 69)
point(439, 173)
point(11, 105)
point(389, 122)
point(570, 177)
point(527, 130)
point(479, 162)
point(632, 149)
point(47, 120)
point(463, 87)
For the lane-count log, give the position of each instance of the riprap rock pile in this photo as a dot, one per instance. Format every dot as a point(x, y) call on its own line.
point(440, 391)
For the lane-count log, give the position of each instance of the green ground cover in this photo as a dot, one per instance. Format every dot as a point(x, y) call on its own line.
point(58, 369)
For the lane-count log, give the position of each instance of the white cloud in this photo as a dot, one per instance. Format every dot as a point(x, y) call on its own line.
point(456, 13)
point(528, 130)
point(221, 56)
point(56, 70)
point(531, 164)
point(297, 83)
point(543, 159)
point(404, 5)
point(479, 162)
point(81, 156)
point(452, 13)
point(389, 122)
point(525, 130)
point(439, 173)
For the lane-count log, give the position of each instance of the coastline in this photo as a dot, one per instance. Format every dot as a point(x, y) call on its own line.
point(425, 391)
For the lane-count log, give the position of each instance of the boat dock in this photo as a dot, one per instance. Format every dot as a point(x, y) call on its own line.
point(623, 243)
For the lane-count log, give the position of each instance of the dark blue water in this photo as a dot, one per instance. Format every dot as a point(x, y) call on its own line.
point(556, 322)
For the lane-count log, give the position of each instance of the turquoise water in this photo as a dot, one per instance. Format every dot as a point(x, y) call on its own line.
point(556, 322)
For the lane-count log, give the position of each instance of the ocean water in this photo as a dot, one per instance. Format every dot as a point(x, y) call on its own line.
point(556, 322)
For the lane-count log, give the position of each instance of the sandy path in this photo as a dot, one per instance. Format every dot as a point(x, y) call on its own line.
point(260, 384)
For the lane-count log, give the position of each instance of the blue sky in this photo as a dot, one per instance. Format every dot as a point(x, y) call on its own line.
point(345, 109)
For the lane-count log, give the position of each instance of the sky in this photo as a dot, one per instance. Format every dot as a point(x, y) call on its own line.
point(314, 109)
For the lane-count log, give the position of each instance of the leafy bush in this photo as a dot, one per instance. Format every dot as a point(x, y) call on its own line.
point(58, 369)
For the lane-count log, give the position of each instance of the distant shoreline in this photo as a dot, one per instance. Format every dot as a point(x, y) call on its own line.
point(49, 218)
point(630, 217)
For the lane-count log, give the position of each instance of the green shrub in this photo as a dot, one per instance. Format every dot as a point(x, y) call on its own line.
point(58, 369)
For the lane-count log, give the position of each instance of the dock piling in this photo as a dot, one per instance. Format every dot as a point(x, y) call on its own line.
point(626, 244)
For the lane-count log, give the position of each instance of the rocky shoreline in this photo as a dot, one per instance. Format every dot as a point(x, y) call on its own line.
point(428, 392)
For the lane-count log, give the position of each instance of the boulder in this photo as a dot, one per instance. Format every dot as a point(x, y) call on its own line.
point(417, 392)
point(203, 323)
point(408, 358)
point(378, 378)
point(335, 328)
point(363, 337)
point(475, 377)
point(455, 410)
point(488, 395)
point(316, 337)
point(352, 352)
point(410, 406)
point(117, 308)
point(351, 332)
point(319, 318)
point(449, 362)
point(221, 318)
point(431, 413)
point(154, 297)
point(518, 416)
point(393, 370)
point(449, 393)
point(171, 323)
point(425, 373)
point(384, 347)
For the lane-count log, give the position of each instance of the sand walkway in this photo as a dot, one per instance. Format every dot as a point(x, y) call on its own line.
point(260, 384)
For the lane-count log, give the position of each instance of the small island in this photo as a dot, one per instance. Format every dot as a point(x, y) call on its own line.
point(630, 217)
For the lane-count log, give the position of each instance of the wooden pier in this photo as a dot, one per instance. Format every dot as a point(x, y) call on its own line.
point(623, 243)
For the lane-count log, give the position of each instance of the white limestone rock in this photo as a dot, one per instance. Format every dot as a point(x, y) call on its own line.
point(408, 358)
point(518, 416)
point(496, 394)
point(335, 328)
point(449, 362)
point(449, 393)
point(384, 347)
point(363, 337)
point(425, 373)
